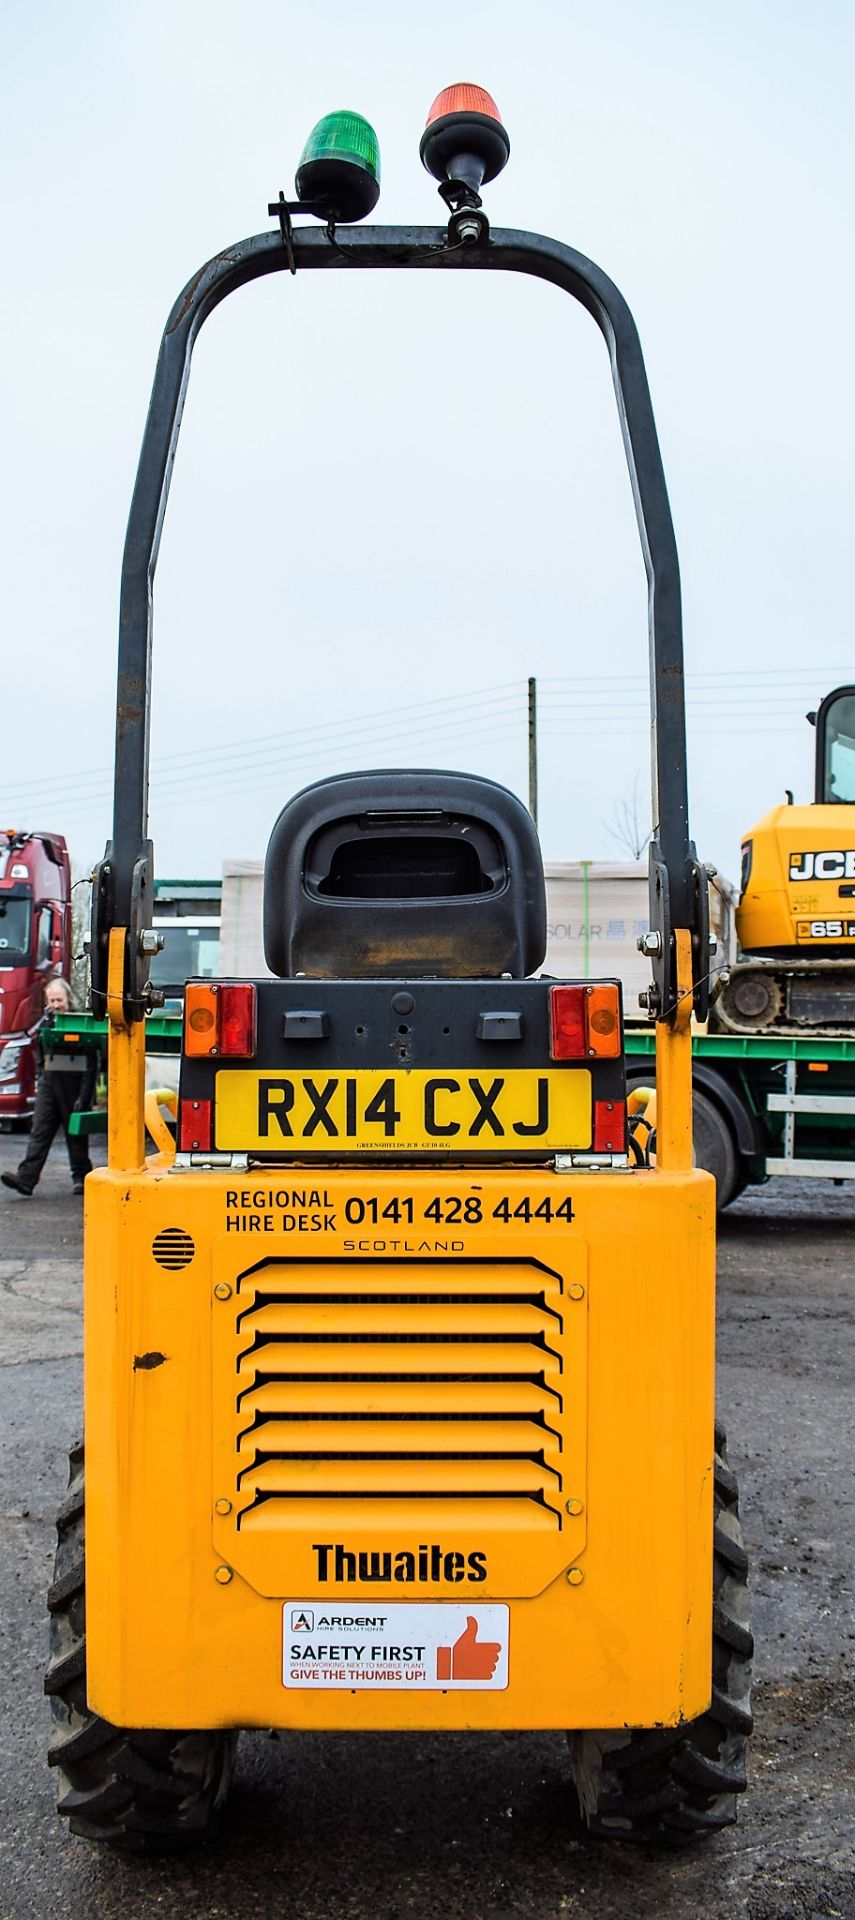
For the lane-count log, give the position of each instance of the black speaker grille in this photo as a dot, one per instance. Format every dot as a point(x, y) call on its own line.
point(173, 1248)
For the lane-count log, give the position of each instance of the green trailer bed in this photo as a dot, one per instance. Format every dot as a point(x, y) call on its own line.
point(783, 1103)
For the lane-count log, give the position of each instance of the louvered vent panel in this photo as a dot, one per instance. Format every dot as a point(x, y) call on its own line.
point(450, 1392)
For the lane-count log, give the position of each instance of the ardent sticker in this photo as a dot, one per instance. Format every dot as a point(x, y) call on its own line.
point(438, 1648)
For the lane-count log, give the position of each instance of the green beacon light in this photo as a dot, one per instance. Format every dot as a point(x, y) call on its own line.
point(339, 172)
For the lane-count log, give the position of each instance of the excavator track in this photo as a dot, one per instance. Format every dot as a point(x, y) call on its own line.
point(772, 996)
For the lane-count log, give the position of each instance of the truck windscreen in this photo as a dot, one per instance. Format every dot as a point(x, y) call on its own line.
point(15, 914)
point(189, 953)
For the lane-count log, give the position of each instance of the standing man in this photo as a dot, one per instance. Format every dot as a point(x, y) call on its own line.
point(59, 1094)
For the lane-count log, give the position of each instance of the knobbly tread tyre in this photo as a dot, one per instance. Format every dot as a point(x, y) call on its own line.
point(668, 1785)
point(141, 1791)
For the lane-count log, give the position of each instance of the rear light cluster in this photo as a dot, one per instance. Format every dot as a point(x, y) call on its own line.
point(219, 1023)
point(219, 1020)
point(584, 1023)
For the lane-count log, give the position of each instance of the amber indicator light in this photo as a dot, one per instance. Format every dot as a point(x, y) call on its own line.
point(201, 1018)
point(603, 1022)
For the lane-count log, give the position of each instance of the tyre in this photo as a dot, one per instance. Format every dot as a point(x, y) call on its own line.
point(714, 1146)
point(146, 1792)
point(671, 1784)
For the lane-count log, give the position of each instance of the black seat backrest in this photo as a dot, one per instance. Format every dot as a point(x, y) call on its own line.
point(397, 874)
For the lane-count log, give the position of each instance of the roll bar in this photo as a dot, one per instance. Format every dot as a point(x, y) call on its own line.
point(122, 895)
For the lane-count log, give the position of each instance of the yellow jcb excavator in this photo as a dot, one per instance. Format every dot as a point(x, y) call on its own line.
point(795, 922)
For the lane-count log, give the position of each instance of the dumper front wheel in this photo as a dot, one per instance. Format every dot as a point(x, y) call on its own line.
point(669, 1784)
point(143, 1791)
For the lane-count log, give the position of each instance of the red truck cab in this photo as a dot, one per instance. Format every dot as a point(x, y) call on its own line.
point(35, 942)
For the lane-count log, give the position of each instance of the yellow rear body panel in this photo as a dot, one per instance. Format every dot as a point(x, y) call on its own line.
point(354, 1387)
point(801, 858)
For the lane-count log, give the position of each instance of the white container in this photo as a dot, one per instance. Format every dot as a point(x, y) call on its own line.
point(241, 935)
point(595, 911)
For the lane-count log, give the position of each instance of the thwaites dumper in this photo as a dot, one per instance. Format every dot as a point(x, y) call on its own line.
point(399, 1370)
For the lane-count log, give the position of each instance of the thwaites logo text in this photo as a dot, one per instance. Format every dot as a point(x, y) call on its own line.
point(428, 1565)
point(837, 865)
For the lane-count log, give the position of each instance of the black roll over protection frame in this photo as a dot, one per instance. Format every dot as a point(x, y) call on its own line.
point(123, 880)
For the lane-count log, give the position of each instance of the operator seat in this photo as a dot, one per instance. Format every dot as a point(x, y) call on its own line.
point(404, 875)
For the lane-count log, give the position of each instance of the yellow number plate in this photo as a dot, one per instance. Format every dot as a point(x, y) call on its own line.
point(521, 1111)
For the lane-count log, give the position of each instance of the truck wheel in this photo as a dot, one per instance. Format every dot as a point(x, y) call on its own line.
point(669, 1784)
point(714, 1145)
point(146, 1792)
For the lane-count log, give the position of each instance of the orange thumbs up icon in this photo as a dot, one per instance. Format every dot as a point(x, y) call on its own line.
point(469, 1658)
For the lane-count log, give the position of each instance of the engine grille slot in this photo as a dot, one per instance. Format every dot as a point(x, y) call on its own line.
point(450, 1392)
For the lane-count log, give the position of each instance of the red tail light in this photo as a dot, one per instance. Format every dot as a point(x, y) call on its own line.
point(568, 1036)
point(237, 1021)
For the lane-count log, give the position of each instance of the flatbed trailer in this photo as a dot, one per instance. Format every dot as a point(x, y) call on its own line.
point(766, 1106)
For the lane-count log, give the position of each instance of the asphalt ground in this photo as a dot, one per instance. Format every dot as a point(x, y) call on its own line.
point(325, 1827)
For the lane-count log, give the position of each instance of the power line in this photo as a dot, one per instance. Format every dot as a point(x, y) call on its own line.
point(211, 769)
point(332, 730)
point(810, 673)
point(296, 749)
point(268, 770)
point(501, 694)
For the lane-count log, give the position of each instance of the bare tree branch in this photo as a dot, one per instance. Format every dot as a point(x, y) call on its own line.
point(81, 906)
point(625, 824)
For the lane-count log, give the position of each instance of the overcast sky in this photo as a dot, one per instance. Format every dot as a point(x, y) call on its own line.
point(396, 497)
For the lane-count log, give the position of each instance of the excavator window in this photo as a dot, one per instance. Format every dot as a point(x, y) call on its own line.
point(839, 754)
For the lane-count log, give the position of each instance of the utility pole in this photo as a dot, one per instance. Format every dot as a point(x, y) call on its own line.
point(532, 749)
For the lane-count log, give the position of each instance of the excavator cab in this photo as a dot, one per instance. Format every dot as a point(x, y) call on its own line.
point(835, 749)
point(399, 1369)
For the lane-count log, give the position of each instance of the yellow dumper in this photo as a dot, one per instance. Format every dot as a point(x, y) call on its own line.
point(399, 1365)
